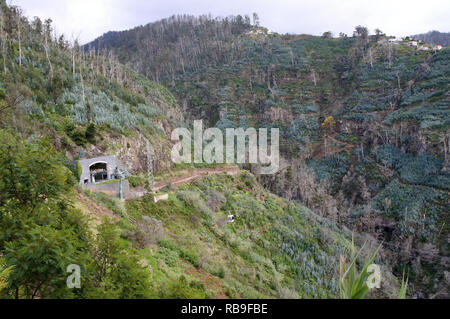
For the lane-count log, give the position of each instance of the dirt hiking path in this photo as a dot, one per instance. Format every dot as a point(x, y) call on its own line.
point(196, 174)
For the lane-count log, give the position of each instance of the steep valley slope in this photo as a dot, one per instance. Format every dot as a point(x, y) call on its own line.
point(60, 104)
point(364, 122)
point(364, 142)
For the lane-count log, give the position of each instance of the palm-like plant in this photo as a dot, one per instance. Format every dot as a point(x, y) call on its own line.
point(403, 288)
point(353, 284)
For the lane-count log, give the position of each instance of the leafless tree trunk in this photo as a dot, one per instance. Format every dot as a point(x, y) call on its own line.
point(4, 41)
point(314, 77)
point(4, 38)
point(390, 54)
point(292, 57)
point(47, 55)
point(19, 34)
point(74, 53)
point(82, 86)
point(98, 55)
point(444, 139)
point(73, 62)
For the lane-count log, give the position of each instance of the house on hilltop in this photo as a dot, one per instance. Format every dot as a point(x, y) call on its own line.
point(259, 31)
point(395, 40)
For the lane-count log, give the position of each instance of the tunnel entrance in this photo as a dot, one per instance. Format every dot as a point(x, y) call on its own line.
point(98, 172)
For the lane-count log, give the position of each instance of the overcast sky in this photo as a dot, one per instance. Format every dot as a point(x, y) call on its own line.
point(89, 19)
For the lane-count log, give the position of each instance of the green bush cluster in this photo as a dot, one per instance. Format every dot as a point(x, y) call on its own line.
point(187, 254)
point(436, 115)
point(410, 206)
point(421, 169)
point(136, 181)
point(330, 168)
point(41, 233)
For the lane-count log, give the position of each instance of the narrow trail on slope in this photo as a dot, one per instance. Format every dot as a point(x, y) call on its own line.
point(97, 211)
point(196, 174)
point(178, 180)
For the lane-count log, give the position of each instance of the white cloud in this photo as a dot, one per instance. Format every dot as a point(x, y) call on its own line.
point(91, 18)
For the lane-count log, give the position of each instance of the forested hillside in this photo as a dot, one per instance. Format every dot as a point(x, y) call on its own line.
point(175, 45)
point(435, 37)
point(364, 122)
point(60, 103)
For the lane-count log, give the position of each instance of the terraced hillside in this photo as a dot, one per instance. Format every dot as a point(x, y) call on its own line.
point(60, 103)
point(364, 123)
point(274, 249)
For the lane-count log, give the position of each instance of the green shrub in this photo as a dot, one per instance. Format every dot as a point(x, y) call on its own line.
point(187, 254)
point(91, 132)
point(171, 257)
point(193, 199)
point(352, 283)
point(330, 168)
point(182, 289)
point(219, 272)
point(136, 181)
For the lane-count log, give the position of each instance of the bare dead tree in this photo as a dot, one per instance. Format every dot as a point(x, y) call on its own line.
point(75, 52)
point(445, 140)
point(47, 40)
point(19, 13)
point(4, 38)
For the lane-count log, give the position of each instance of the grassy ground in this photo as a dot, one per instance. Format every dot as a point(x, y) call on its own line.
point(274, 249)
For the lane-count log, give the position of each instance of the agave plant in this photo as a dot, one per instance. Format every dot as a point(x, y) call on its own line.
point(403, 288)
point(353, 284)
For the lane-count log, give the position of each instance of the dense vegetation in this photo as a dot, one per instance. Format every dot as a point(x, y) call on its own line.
point(436, 37)
point(54, 104)
point(176, 45)
point(59, 103)
point(41, 233)
point(365, 147)
point(370, 120)
point(273, 249)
